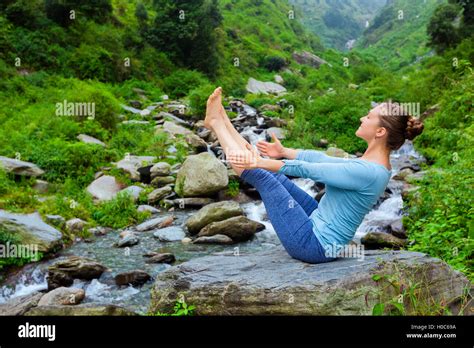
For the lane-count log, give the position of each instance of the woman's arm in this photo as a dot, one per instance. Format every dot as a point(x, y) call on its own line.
point(349, 175)
point(270, 164)
point(315, 156)
point(290, 153)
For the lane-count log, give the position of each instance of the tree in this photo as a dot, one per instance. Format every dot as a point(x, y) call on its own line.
point(25, 13)
point(441, 28)
point(141, 13)
point(466, 28)
point(186, 31)
point(60, 10)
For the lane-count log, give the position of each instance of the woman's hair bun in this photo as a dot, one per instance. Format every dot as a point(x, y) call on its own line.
point(414, 128)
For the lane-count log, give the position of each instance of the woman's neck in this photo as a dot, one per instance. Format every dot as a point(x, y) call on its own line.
point(377, 152)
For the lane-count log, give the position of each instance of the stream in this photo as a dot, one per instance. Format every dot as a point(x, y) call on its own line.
point(32, 277)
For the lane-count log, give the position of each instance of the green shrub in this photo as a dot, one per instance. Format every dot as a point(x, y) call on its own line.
point(118, 212)
point(61, 159)
point(198, 99)
point(273, 63)
point(180, 82)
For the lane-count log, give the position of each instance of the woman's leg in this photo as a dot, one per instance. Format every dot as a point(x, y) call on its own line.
point(307, 202)
point(291, 223)
point(230, 127)
point(214, 122)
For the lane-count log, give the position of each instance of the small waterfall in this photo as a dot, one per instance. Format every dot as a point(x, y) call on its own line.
point(27, 283)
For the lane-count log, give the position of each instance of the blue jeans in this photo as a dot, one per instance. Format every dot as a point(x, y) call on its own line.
point(288, 208)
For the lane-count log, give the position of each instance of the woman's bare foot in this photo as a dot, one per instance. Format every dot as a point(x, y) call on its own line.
point(214, 104)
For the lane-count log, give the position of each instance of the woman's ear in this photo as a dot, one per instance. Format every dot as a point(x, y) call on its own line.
point(381, 131)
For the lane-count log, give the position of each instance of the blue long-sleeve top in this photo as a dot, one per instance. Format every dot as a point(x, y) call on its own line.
point(352, 188)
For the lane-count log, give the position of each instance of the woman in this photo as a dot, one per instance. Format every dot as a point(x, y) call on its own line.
point(309, 231)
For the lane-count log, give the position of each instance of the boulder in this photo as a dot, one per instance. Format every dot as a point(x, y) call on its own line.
point(335, 152)
point(62, 296)
point(63, 272)
point(130, 239)
point(55, 220)
point(75, 225)
point(131, 164)
point(149, 208)
point(402, 174)
point(201, 175)
point(17, 167)
point(257, 87)
point(214, 239)
point(135, 278)
point(159, 222)
point(270, 107)
point(169, 234)
point(238, 228)
point(280, 133)
point(41, 186)
point(100, 231)
point(136, 104)
point(196, 142)
point(192, 202)
point(30, 229)
point(131, 109)
point(90, 140)
point(160, 169)
point(161, 258)
point(104, 188)
point(166, 115)
point(397, 229)
point(307, 58)
point(161, 181)
point(133, 191)
point(276, 122)
point(212, 213)
point(175, 129)
point(157, 195)
point(271, 282)
point(21, 304)
point(278, 79)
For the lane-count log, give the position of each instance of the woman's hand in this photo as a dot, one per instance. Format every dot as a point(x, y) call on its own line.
point(247, 159)
point(273, 150)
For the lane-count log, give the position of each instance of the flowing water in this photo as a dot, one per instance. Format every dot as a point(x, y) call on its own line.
point(103, 290)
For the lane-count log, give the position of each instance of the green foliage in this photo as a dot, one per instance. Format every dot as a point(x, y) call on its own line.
point(185, 30)
point(180, 82)
point(60, 10)
point(198, 98)
point(24, 13)
point(273, 63)
point(441, 29)
point(256, 100)
point(405, 292)
point(233, 188)
point(181, 308)
point(333, 116)
point(118, 212)
point(8, 240)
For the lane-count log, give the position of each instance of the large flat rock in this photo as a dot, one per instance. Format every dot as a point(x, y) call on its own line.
point(270, 282)
point(17, 167)
point(30, 229)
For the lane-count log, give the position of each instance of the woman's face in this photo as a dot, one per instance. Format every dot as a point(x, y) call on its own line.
point(370, 125)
